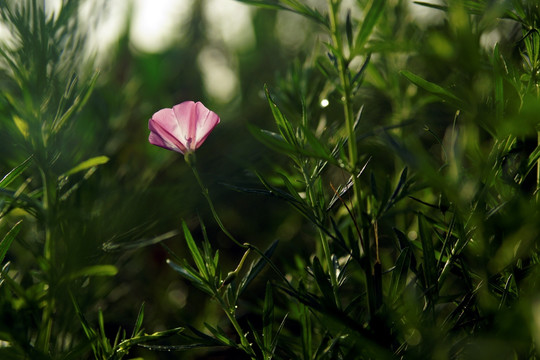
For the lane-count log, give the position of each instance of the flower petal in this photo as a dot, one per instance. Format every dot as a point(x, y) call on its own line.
point(186, 117)
point(206, 122)
point(165, 131)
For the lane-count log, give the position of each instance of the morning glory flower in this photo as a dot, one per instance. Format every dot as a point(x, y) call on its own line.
point(183, 128)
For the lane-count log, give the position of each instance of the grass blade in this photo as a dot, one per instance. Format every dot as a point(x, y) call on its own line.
point(138, 324)
point(8, 239)
point(194, 250)
point(95, 161)
point(268, 316)
point(13, 174)
point(373, 15)
point(434, 89)
point(430, 263)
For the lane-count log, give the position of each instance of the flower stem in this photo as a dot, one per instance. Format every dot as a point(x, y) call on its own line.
point(229, 235)
point(206, 194)
point(229, 311)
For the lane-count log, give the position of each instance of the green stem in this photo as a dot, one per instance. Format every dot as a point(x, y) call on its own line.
point(206, 194)
point(220, 223)
point(538, 171)
point(324, 239)
point(47, 209)
point(347, 99)
point(226, 308)
point(230, 315)
point(345, 83)
point(49, 197)
point(344, 78)
point(331, 270)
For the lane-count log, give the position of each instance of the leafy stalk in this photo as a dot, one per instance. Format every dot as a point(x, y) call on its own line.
point(352, 166)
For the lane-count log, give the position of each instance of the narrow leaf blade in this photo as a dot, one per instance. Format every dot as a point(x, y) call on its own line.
point(373, 15)
point(268, 316)
point(13, 174)
point(428, 252)
point(95, 161)
point(434, 89)
point(8, 239)
point(194, 250)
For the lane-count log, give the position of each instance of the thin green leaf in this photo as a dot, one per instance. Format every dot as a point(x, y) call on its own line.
point(257, 266)
point(88, 330)
point(356, 82)
point(278, 192)
point(189, 274)
point(373, 15)
point(474, 7)
point(264, 4)
point(323, 283)
point(13, 285)
point(183, 347)
point(3, 272)
point(259, 340)
point(498, 82)
point(533, 158)
point(95, 161)
point(202, 337)
point(431, 5)
point(125, 345)
point(77, 105)
point(445, 245)
point(138, 323)
point(397, 191)
point(275, 340)
point(283, 124)
point(434, 89)
point(430, 263)
point(21, 201)
point(130, 244)
point(194, 250)
point(399, 274)
point(318, 147)
point(305, 319)
point(460, 311)
point(272, 140)
point(104, 340)
point(95, 270)
point(268, 316)
point(13, 174)
point(342, 190)
point(220, 335)
point(290, 187)
point(506, 291)
point(8, 240)
point(290, 5)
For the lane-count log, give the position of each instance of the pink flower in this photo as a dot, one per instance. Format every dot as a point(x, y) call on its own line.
point(182, 128)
